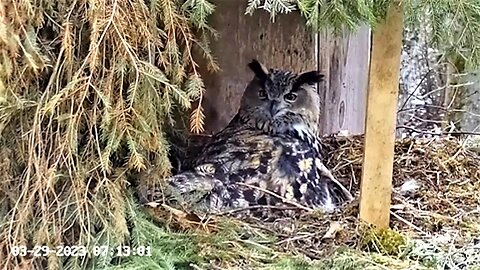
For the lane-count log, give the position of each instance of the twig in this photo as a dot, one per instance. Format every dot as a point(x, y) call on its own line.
point(257, 226)
point(284, 200)
point(415, 90)
point(408, 223)
point(254, 244)
point(295, 238)
point(256, 207)
point(438, 134)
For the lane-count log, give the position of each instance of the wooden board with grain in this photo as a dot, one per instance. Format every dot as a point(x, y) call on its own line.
point(345, 61)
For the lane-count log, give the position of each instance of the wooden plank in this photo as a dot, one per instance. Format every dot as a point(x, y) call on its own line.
point(345, 61)
point(376, 186)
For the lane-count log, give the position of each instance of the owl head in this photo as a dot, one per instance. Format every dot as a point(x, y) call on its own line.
point(280, 101)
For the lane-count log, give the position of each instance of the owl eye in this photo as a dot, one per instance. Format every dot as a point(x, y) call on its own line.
point(290, 97)
point(262, 94)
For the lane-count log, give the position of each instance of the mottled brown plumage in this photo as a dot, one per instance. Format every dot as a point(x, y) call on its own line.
point(270, 144)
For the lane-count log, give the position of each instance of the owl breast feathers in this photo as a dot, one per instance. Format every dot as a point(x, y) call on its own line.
point(267, 155)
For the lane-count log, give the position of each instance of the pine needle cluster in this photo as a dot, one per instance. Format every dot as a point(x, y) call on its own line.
point(88, 90)
point(454, 27)
point(455, 24)
point(336, 15)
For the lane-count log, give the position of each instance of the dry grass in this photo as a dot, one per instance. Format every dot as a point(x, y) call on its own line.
point(88, 91)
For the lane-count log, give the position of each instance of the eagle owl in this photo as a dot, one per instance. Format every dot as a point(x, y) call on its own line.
point(268, 153)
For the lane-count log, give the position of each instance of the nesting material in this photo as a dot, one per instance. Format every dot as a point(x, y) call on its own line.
point(435, 206)
point(435, 181)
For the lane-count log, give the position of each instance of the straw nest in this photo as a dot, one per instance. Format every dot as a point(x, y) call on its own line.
point(434, 213)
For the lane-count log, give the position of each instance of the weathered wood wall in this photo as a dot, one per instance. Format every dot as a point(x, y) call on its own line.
point(287, 43)
point(345, 62)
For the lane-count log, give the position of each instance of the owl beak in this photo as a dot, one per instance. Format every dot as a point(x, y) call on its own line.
point(274, 108)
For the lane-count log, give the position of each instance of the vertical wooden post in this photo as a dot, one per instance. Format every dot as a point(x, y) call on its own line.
point(380, 120)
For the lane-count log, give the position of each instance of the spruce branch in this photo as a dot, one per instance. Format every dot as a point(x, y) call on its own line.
point(87, 93)
point(455, 24)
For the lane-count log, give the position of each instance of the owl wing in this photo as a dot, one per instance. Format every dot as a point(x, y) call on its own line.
point(300, 175)
point(222, 174)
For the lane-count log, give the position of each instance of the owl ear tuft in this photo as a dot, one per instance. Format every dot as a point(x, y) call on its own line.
point(260, 70)
point(309, 77)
